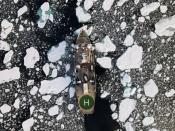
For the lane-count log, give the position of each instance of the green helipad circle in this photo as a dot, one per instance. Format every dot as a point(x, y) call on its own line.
point(86, 102)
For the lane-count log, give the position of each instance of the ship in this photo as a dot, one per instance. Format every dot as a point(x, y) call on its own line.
point(85, 73)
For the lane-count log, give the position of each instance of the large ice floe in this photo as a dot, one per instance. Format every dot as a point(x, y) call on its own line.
point(6, 28)
point(151, 89)
point(146, 10)
point(131, 59)
point(32, 56)
point(56, 52)
point(126, 107)
point(45, 14)
point(54, 86)
point(106, 45)
point(82, 15)
point(165, 26)
point(9, 75)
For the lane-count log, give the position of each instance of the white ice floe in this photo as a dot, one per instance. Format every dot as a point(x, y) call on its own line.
point(151, 89)
point(125, 79)
point(70, 107)
point(153, 129)
point(107, 4)
point(21, 28)
point(121, 2)
point(148, 121)
point(6, 28)
point(53, 110)
point(129, 91)
point(163, 8)
point(105, 62)
point(129, 41)
point(84, 28)
point(5, 108)
point(54, 73)
point(45, 14)
point(34, 90)
point(4, 46)
point(106, 45)
point(27, 124)
point(15, 1)
point(153, 35)
point(157, 68)
point(165, 26)
point(136, 1)
point(141, 19)
point(114, 116)
point(104, 94)
point(128, 126)
point(46, 97)
point(32, 56)
point(170, 93)
point(30, 82)
point(32, 108)
point(59, 101)
point(9, 75)
point(56, 52)
point(147, 9)
point(126, 107)
point(8, 57)
point(88, 4)
point(60, 116)
point(54, 86)
point(22, 10)
point(17, 103)
point(71, 92)
point(46, 69)
point(113, 107)
point(131, 59)
point(123, 25)
point(82, 15)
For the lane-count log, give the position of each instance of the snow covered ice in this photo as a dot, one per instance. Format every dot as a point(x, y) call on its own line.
point(27, 124)
point(146, 10)
point(105, 62)
point(106, 45)
point(56, 52)
point(32, 56)
point(107, 4)
point(45, 14)
point(148, 121)
point(53, 110)
point(82, 15)
point(131, 59)
point(54, 86)
point(151, 89)
point(4, 46)
point(5, 108)
point(22, 10)
point(126, 107)
point(165, 26)
point(9, 74)
point(6, 28)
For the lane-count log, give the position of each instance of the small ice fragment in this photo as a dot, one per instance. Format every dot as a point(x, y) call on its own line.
point(148, 121)
point(107, 4)
point(5, 108)
point(22, 10)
